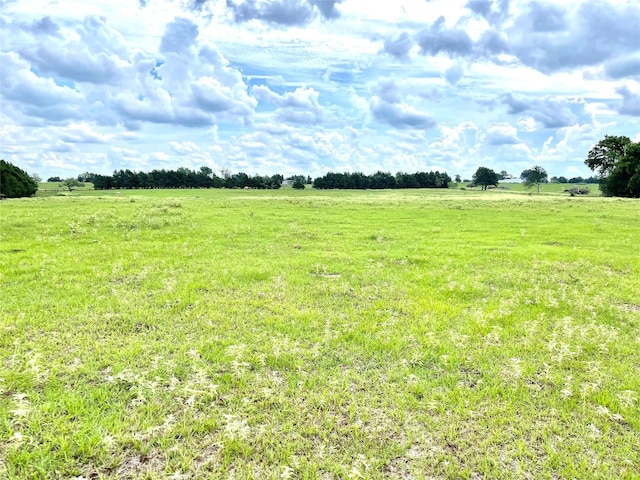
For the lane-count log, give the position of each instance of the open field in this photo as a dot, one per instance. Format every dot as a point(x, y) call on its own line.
point(50, 189)
point(549, 188)
point(304, 334)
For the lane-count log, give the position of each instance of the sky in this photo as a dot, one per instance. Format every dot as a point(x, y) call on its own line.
point(312, 86)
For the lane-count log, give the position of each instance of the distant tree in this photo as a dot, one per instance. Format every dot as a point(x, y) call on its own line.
point(71, 183)
point(504, 175)
point(381, 180)
point(15, 182)
point(485, 176)
point(54, 179)
point(102, 182)
point(298, 184)
point(617, 160)
point(297, 178)
point(534, 177)
point(85, 177)
point(36, 178)
point(458, 179)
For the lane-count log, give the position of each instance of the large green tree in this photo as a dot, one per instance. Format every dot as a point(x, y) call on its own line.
point(604, 155)
point(624, 178)
point(15, 182)
point(617, 160)
point(485, 176)
point(534, 177)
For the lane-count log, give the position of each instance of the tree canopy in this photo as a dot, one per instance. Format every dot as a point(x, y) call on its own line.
point(15, 182)
point(182, 178)
point(604, 155)
point(485, 176)
point(534, 177)
point(617, 160)
point(382, 180)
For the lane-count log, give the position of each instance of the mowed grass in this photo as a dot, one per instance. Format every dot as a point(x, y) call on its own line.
point(285, 334)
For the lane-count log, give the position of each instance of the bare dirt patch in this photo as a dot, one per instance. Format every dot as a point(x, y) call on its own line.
point(629, 307)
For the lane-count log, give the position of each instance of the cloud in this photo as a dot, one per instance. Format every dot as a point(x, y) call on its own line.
point(551, 38)
point(400, 46)
point(299, 106)
point(192, 86)
point(491, 43)
point(551, 113)
point(197, 4)
point(95, 54)
point(79, 65)
point(179, 36)
point(45, 27)
point(98, 36)
point(547, 17)
point(82, 133)
point(502, 134)
point(283, 12)
point(327, 7)
point(623, 67)
point(386, 106)
point(480, 7)
point(387, 90)
point(185, 148)
point(36, 96)
point(454, 73)
point(494, 11)
point(88, 71)
point(400, 115)
point(630, 104)
point(211, 96)
point(439, 39)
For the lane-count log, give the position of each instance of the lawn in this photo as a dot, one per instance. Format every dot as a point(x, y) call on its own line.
point(309, 334)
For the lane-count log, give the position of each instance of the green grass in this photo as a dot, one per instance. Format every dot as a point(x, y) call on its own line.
point(305, 334)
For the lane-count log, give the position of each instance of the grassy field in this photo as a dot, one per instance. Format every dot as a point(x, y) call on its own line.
point(50, 189)
point(304, 334)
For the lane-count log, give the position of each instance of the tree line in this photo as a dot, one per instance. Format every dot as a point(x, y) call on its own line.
point(616, 159)
point(562, 179)
point(381, 180)
point(180, 178)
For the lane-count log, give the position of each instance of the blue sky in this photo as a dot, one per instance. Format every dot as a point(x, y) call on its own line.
point(311, 86)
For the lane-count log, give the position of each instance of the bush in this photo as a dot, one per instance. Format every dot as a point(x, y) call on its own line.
point(14, 182)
